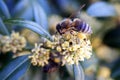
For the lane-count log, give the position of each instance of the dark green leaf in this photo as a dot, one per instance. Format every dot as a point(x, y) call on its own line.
point(30, 25)
point(23, 9)
point(40, 15)
point(78, 72)
point(45, 5)
point(4, 10)
point(15, 69)
point(3, 29)
point(69, 69)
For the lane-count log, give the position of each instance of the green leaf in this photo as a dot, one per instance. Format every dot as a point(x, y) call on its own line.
point(39, 15)
point(69, 69)
point(78, 72)
point(3, 28)
point(30, 25)
point(23, 9)
point(4, 12)
point(15, 69)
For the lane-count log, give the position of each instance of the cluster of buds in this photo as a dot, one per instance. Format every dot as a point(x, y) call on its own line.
point(69, 48)
point(40, 56)
point(15, 42)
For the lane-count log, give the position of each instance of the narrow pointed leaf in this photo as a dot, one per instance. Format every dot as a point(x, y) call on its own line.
point(45, 5)
point(27, 14)
point(4, 12)
point(101, 9)
point(3, 29)
point(78, 72)
point(20, 7)
point(30, 25)
point(40, 15)
point(10, 4)
point(69, 69)
point(15, 69)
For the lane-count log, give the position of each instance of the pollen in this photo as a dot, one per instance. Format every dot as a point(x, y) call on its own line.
point(81, 36)
point(57, 60)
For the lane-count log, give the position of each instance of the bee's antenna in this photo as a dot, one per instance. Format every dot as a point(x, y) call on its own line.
point(73, 14)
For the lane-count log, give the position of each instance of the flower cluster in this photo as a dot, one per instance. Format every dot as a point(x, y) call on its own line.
point(40, 56)
point(68, 48)
point(13, 43)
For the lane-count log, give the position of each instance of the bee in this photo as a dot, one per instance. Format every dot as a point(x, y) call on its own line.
point(75, 24)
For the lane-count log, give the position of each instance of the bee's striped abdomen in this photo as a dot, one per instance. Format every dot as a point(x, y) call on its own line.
point(76, 24)
point(81, 26)
point(85, 28)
